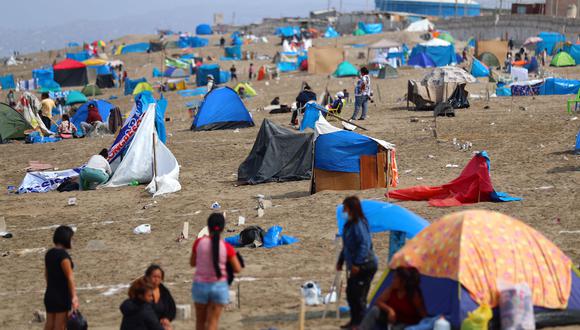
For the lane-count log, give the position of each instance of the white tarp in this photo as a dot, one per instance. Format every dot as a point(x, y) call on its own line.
point(137, 164)
point(322, 126)
point(435, 42)
point(423, 25)
point(519, 74)
point(46, 181)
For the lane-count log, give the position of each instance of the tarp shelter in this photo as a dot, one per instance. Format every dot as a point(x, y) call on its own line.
point(472, 186)
point(141, 47)
point(577, 147)
point(421, 60)
point(279, 155)
point(562, 59)
point(489, 59)
point(447, 37)
point(496, 47)
point(358, 32)
point(222, 108)
point(324, 60)
point(95, 62)
point(380, 50)
point(234, 52)
point(131, 84)
point(248, 89)
point(7, 82)
point(91, 90)
point(42, 75)
point(175, 73)
point(371, 28)
point(463, 257)
point(559, 86)
point(192, 42)
point(142, 87)
point(387, 71)
point(574, 51)
point(80, 56)
point(423, 25)
point(155, 46)
point(105, 80)
point(345, 69)
point(206, 69)
point(140, 158)
point(12, 124)
point(479, 69)
point(331, 33)
point(345, 160)
point(203, 29)
point(287, 31)
point(440, 51)
point(75, 97)
point(70, 73)
point(549, 41)
point(287, 61)
point(82, 112)
point(49, 86)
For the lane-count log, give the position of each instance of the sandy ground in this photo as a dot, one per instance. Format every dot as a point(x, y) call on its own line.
point(528, 139)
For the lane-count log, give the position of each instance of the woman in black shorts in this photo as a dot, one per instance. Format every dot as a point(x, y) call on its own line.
point(60, 297)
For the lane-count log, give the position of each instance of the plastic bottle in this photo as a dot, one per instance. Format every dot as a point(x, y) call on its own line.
point(134, 183)
point(442, 324)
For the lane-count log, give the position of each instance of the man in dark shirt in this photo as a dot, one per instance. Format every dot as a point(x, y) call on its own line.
point(304, 97)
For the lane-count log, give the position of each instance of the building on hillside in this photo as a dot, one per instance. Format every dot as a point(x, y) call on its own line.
point(528, 8)
point(442, 8)
point(562, 8)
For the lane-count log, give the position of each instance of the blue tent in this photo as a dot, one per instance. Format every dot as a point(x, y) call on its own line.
point(224, 77)
point(340, 151)
point(203, 29)
point(141, 47)
point(43, 75)
point(549, 40)
point(371, 28)
point(558, 86)
point(441, 55)
point(222, 108)
point(206, 69)
point(237, 41)
point(7, 82)
point(131, 84)
point(331, 33)
point(48, 85)
point(103, 106)
point(383, 216)
point(532, 66)
point(421, 59)
point(574, 51)
point(287, 31)
point(577, 148)
point(234, 52)
point(193, 42)
point(479, 69)
point(80, 56)
point(156, 73)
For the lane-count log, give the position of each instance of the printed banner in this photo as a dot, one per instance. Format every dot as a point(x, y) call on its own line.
point(45, 181)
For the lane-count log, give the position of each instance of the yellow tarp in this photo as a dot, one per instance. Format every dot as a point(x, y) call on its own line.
point(141, 87)
point(94, 62)
point(480, 248)
point(248, 90)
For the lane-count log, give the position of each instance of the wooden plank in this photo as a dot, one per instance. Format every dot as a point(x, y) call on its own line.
point(368, 172)
point(330, 180)
point(381, 169)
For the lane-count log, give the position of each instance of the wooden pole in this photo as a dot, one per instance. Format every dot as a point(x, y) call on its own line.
point(337, 275)
point(302, 318)
point(388, 170)
point(154, 162)
point(338, 117)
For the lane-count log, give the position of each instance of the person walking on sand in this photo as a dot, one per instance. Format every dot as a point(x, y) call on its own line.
point(362, 94)
point(210, 256)
point(251, 71)
point(233, 73)
point(60, 297)
point(361, 262)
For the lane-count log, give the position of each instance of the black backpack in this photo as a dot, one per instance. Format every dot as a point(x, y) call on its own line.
point(253, 236)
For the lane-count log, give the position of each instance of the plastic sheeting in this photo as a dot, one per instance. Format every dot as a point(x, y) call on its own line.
point(559, 86)
point(193, 42)
point(331, 33)
point(287, 31)
point(80, 56)
point(574, 51)
point(340, 151)
point(41, 182)
point(234, 52)
point(479, 69)
point(383, 216)
point(203, 29)
point(549, 40)
point(422, 60)
point(441, 55)
point(141, 47)
point(7, 82)
point(131, 84)
point(371, 28)
point(272, 238)
point(204, 70)
point(137, 164)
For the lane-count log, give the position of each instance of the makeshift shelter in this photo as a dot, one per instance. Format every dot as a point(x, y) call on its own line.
point(345, 69)
point(421, 60)
point(70, 73)
point(549, 41)
point(131, 84)
point(279, 154)
point(496, 47)
point(489, 59)
point(75, 97)
point(43, 75)
point(234, 52)
point(80, 56)
point(141, 47)
point(574, 51)
point(463, 257)
point(440, 51)
point(82, 112)
point(345, 160)
point(324, 60)
point(203, 29)
point(12, 124)
point(105, 80)
point(423, 25)
point(562, 59)
point(447, 37)
point(370, 28)
point(248, 89)
point(559, 86)
point(206, 69)
point(49, 86)
point(478, 69)
point(222, 108)
point(472, 186)
point(156, 46)
point(577, 147)
point(146, 159)
point(7, 82)
point(358, 32)
point(331, 32)
point(287, 61)
point(193, 42)
point(379, 51)
point(387, 71)
point(175, 73)
point(91, 90)
point(142, 87)
point(287, 31)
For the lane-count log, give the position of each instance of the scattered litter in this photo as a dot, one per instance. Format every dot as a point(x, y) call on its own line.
point(149, 205)
point(237, 130)
point(311, 293)
point(431, 156)
point(408, 171)
point(29, 251)
point(542, 146)
point(39, 316)
point(523, 108)
point(330, 298)
point(96, 245)
point(573, 118)
point(544, 188)
point(115, 289)
point(142, 229)
point(420, 178)
point(241, 221)
point(565, 158)
point(72, 201)
point(451, 166)
point(267, 83)
point(569, 232)
point(414, 119)
point(216, 206)
point(11, 189)
point(197, 212)
point(558, 221)
point(492, 124)
point(260, 212)
point(183, 312)
point(486, 107)
point(203, 232)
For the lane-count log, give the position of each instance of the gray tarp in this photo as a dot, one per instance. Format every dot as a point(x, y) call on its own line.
point(278, 154)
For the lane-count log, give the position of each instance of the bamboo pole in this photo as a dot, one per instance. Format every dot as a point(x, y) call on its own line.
point(154, 162)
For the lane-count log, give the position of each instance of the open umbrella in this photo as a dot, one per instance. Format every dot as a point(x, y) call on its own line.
point(447, 74)
point(532, 41)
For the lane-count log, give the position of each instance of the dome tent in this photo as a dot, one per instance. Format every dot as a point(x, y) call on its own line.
point(222, 108)
point(203, 29)
point(12, 123)
point(345, 69)
point(562, 59)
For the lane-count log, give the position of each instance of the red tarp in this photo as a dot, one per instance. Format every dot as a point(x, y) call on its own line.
point(68, 64)
point(472, 186)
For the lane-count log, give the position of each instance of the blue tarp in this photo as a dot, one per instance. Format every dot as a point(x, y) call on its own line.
point(234, 52)
point(558, 86)
point(383, 216)
point(141, 47)
point(369, 28)
point(43, 75)
point(48, 86)
point(204, 70)
point(192, 92)
point(103, 106)
point(549, 40)
point(441, 55)
point(193, 42)
point(479, 69)
point(272, 238)
point(341, 151)
point(331, 33)
point(458, 58)
point(311, 115)
point(156, 73)
point(574, 51)
point(7, 82)
point(237, 41)
point(503, 91)
point(287, 66)
point(222, 108)
point(131, 84)
point(80, 56)
point(203, 29)
point(224, 77)
point(104, 69)
point(73, 44)
point(160, 110)
point(532, 65)
point(421, 59)
point(287, 31)
point(577, 148)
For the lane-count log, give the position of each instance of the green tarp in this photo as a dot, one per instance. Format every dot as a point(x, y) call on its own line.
point(562, 59)
point(447, 37)
point(12, 123)
point(91, 90)
point(345, 69)
point(490, 60)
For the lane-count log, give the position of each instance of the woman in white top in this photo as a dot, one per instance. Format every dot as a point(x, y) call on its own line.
point(96, 171)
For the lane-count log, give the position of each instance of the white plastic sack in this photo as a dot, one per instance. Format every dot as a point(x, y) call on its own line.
point(142, 229)
point(311, 293)
point(516, 307)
